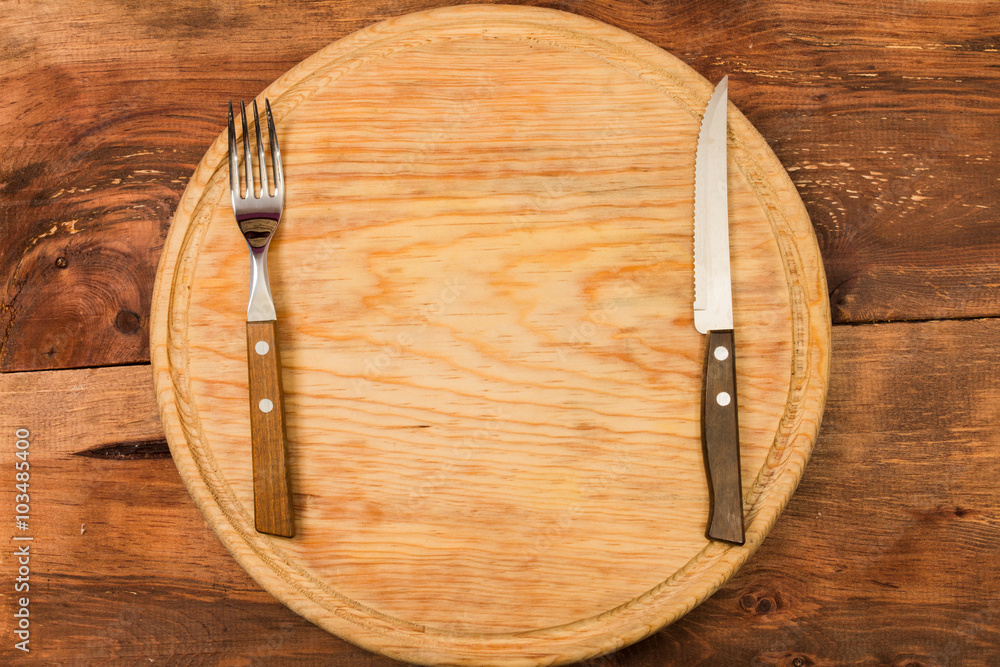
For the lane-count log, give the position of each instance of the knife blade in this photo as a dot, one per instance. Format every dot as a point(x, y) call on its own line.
point(713, 315)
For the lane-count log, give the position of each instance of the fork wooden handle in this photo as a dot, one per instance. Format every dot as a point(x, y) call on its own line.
point(272, 491)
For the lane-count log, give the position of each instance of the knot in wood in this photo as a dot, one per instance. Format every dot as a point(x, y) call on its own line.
point(127, 322)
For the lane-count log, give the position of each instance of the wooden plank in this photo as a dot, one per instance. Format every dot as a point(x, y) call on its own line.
point(123, 568)
point(885, 555)
point(878, 111)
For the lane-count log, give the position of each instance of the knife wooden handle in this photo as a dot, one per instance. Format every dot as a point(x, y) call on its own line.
point(272, 491)
point(721, 435)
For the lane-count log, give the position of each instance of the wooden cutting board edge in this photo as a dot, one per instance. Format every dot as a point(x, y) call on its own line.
point(261, 555)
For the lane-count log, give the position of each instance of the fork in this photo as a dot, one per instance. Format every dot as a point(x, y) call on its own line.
point(258, 216)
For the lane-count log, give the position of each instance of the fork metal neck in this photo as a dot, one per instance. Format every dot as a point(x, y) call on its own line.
point(261, 308)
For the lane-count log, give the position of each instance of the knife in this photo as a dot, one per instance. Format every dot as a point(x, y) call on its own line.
point(713, 315)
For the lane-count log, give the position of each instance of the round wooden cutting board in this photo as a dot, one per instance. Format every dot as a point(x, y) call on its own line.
point(484, 287)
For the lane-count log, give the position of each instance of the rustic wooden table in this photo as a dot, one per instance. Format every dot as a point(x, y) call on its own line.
point(883, 114)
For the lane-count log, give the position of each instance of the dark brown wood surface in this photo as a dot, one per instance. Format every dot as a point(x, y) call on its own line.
point(885, 115)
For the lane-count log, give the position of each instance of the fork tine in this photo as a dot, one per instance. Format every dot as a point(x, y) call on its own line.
point(247, 162)
point(279, 179)
point(261, 165)
point(234, 157)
